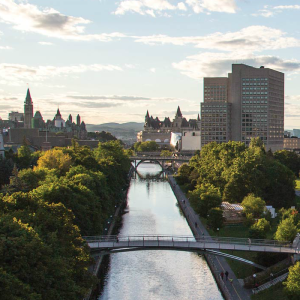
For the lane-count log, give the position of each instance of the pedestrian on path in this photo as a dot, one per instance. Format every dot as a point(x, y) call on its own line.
point(222, 275)
point(226, 274)
point(231, 280)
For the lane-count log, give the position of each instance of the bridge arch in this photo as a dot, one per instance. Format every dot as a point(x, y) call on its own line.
point(150, 161)
point(203, 251)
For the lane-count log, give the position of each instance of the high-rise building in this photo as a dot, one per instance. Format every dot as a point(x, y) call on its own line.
point(248, 103)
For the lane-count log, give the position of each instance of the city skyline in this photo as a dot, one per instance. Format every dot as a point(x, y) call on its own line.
point(113, 61)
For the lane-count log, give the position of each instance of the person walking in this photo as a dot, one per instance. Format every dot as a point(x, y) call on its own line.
point(226, 274)
point(222, 275)
point(231, 281)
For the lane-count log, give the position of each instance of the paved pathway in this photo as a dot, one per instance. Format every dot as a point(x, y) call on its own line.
point(232, 291)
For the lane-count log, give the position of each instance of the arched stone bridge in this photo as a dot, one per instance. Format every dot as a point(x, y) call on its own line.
point(137, 160)
point(206, 244)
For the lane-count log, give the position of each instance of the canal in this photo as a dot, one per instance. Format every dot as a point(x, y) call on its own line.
point(156, 275)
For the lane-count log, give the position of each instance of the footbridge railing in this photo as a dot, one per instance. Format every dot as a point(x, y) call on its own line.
point(187, 243)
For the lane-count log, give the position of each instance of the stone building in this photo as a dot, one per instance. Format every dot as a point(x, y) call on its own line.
point(57, 131)
point(160, 131)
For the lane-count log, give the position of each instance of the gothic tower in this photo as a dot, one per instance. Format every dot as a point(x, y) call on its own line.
point(28, 110)
point(78, 120)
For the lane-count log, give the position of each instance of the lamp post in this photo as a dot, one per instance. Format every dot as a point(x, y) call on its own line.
point(254, 277)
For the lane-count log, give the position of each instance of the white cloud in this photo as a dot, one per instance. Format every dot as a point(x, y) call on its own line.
point(270, 11)
point(5, 48)
point(219, 64)
point(150, 7)
point(198, 6)
point(252, 38)
point(153, 70)
point(13, 74)
point(46, 43)
point(181, 6)
point(28, 17)
point(287, 7)
point(264, 13)
point(143, 7)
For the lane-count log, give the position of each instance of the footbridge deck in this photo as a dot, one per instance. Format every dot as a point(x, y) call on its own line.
point(113, 244)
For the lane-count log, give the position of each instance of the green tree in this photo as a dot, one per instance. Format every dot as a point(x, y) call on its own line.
point(253, 205)
point(292, 284)
point(24, 157)
point(290, 159)
point(184, 173)
point(257, 142)
point(215, 219)
point(260, 229)
point(204, 198)
point(55, 159)
point(6, 167)
point(166, 153)
point(146, 146)
point(286, 230)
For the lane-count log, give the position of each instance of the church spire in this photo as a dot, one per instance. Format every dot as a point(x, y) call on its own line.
point(28, 99)
point(178, 113)
point(147, 114)
point(58, 113)
point(198, 118)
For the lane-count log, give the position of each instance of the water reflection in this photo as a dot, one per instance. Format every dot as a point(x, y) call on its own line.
point(159, 275)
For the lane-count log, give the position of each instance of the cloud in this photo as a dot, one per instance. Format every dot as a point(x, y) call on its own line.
point(150, 7)
point(46, 43)
point(252, 38)
point(181, 6)
point(5, 48)
point(219, 64)
point(97, 105)
point(119, 98)
point(198, 6)
point(153, 70)
point(14, 73)
point(270, 11)
point(144, 7)
point(28, 17)
point(287, 7)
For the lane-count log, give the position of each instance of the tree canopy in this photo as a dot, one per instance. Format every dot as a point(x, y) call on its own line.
point(238, 171)
point(45, 210)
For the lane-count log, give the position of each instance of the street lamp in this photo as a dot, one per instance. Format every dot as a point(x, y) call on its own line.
point(254, 277)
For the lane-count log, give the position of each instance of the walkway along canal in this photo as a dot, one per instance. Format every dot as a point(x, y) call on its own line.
point(156, 275)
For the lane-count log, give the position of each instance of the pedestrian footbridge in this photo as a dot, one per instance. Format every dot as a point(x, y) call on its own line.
point(161, 160)
point(206, 244)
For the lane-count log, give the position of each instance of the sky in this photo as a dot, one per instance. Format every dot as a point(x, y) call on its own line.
point(112, 60)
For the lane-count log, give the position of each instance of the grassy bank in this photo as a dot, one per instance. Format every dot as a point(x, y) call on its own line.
point(274, 292)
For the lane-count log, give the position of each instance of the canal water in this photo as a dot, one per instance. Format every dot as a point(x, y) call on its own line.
point(156, 275)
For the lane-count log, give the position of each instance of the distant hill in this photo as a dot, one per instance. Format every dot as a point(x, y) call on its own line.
point(126, 132)
point(130, 126)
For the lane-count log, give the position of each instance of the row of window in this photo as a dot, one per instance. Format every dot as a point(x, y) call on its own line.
point(255, 83)
point(255, 92)
point(255, 102)
point(215, 87)
point(254, 88)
